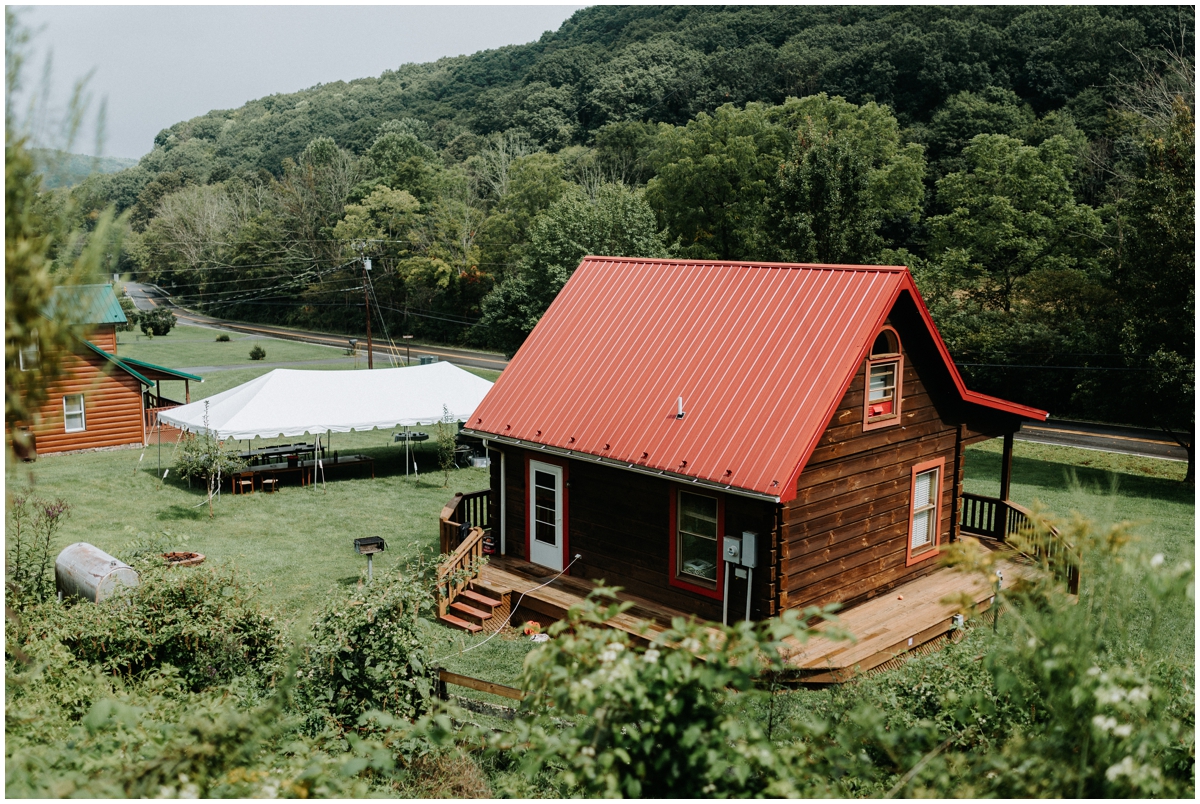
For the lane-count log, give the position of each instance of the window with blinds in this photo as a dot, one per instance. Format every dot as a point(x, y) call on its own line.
point(924, 510)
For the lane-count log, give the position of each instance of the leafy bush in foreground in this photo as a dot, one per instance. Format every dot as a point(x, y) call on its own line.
point(367, 653)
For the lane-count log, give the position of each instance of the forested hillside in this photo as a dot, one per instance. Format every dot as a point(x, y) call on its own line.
point(1033, 166)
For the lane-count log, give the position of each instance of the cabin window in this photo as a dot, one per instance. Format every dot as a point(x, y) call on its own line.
point(923, 508)
point(885, 370)
point(73, 413)
point(696, 527)
point(27, 356)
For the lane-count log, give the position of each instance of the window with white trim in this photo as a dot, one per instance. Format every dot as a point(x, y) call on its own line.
point(27, 356)
point(73, 420)
point(923, 532)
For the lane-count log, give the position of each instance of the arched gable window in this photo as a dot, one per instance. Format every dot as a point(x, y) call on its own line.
point(885, 381)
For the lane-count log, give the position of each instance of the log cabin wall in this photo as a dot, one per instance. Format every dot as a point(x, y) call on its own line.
point(112, 405)
point(103, 336)
point(845, 535)
point(619, 522)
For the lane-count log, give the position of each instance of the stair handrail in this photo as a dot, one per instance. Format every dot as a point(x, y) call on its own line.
point(1064, 561)
point(459, 569)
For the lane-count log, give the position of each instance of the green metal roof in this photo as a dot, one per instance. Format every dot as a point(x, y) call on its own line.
point(115, 361)
point(85, 304)
point(150, 368)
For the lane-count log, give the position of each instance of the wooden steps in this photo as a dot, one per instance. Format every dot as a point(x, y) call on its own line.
point(456, 622)
point(476, 608)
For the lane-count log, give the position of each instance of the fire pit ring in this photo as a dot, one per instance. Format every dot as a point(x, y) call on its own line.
point(182, 559)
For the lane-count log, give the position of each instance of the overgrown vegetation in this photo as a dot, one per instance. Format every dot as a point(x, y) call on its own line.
point(33, 523)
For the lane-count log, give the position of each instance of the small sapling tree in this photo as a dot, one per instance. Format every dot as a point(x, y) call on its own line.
point(203, 455)
point(446, 444)
point(257, 352)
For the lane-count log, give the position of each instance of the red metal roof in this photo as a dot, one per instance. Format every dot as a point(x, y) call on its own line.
point(760, 352)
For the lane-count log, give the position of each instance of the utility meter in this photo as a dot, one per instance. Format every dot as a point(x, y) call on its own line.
point(733, 550)
point(749, 556)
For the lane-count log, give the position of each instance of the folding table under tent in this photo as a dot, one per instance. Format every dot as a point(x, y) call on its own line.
point(290, 402)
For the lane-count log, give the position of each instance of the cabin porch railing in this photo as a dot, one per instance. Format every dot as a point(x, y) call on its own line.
point(457, 572)
point(999, 519)
point(473, 510)
point(152, 413)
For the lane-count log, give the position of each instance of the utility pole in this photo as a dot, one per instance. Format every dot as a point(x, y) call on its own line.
point(366, 262)
point(407, 350)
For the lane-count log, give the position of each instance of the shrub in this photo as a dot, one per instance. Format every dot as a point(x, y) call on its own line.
point(158, 321)
point(367, 652)
point(652, 721)
point(203, 621)
point(223, 337)
point(257, 352)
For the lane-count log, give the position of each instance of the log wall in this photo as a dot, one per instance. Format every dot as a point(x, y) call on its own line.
point(845, 535)
point(112, 406)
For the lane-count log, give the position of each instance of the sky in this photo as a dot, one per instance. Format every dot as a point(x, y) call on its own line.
point(158, 65)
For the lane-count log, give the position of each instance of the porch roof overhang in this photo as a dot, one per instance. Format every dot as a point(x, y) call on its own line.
point(562, 452)
point(158, 372)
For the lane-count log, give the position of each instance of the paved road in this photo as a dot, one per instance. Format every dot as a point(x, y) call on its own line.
point(147, 297)
point(1105, 438)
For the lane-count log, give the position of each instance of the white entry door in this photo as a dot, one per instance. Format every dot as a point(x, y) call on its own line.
point(546, 514)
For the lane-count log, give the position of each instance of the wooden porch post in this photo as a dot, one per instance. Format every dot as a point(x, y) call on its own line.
point(187, 392)
point(158, 392)
point(1006, 467)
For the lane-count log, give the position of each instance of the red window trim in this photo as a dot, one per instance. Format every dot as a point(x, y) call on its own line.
point(672, 567)
point(897, 395)
point(566, 531)
point(932, 550)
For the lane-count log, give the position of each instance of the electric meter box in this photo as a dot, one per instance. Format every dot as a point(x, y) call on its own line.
point(749, 557)
point(733, 550)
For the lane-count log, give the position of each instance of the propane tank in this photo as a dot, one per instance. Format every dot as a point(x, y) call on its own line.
point(85, 571)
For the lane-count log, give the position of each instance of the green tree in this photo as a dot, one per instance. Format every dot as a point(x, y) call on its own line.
point(1012, 214)
point(1155, 273)
point(617, 222)
point(43, 247)
point(711, 179)
point(848, 173)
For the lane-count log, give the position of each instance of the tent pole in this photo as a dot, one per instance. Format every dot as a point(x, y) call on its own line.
point(406, 458)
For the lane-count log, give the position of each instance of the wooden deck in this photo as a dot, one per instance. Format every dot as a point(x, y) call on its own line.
point(514, 577)
point(884, 628)
point(891, 625)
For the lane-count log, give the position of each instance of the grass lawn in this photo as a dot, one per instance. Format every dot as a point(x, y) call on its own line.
point(186, 346)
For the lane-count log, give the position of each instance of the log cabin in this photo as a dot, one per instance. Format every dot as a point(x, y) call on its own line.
point(734, 439)
point(97, 399)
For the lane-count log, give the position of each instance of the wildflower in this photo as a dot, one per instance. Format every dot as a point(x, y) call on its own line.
point(1093, 671)
point(1124, 730)
point(650, 656)
point(1157, 560)
point(1104, 723)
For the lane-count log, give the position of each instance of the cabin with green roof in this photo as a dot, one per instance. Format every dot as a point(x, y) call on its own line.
point(98, 399)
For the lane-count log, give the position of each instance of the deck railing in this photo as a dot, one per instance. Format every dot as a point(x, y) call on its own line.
point(999, 519)
point(473, 509)
point(152, 413)
point(459, 569)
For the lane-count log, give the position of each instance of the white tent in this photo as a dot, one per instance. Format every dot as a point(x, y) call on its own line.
point(287, 402)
